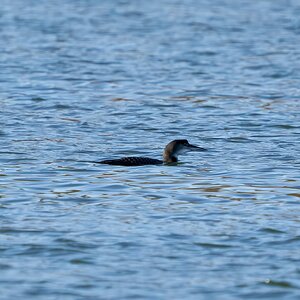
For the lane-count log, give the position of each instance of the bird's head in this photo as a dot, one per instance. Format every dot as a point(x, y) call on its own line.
point(176, 147)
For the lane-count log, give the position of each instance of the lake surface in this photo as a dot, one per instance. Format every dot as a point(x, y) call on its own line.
point(82, 81)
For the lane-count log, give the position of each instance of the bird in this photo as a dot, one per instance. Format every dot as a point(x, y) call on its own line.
point(170, 155)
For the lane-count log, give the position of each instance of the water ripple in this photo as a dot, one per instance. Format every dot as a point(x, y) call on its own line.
point(106, 79)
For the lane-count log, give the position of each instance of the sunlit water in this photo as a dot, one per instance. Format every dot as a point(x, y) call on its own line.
point(89, 80)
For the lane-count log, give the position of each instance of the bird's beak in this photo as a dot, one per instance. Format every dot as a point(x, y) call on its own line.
point(196, 148)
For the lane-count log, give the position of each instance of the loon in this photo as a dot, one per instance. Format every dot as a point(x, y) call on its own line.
point(170, 155)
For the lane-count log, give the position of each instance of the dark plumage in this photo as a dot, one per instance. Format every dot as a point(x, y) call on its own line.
point(132, 161)
point(170, 155)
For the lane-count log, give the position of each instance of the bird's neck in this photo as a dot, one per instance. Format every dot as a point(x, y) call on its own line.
point(169, 158)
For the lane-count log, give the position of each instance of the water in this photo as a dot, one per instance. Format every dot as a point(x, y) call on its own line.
point(89, 80)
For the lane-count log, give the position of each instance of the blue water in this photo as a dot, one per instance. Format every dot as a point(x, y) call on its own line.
point(88, 80)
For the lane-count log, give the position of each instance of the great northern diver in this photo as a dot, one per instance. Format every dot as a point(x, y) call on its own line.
point(170, 155)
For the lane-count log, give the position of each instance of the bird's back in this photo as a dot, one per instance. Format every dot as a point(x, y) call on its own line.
point(132, 161)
